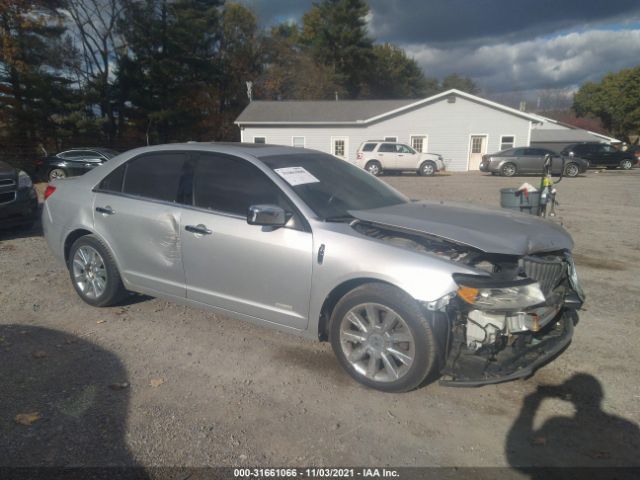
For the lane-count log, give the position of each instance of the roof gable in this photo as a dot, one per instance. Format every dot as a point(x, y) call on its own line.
point(349, 112)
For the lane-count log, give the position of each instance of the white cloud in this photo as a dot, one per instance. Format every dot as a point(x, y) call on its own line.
point(562, 61)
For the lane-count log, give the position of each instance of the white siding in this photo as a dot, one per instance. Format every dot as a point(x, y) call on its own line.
point(448, 126)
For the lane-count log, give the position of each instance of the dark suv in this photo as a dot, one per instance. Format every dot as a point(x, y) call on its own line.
point(601, 155)
point(18, 198)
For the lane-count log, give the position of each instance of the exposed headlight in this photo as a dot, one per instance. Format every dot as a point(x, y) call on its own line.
point(24, 180)
point(483, 295)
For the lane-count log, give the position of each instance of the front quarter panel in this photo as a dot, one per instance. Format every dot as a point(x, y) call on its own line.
point(350, 256)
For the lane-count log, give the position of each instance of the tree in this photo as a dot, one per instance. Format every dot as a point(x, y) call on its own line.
point(289, 70)
point(170, 63)
point(335, 32)
point(99, 42)
point(615, 101)
point(397, 76)
point(36, 101)
point(458, 82)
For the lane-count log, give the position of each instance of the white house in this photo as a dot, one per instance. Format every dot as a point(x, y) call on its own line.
point(459, 126)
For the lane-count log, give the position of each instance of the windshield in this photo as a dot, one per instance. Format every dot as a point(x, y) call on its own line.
point(107, 152)
point(332, 187)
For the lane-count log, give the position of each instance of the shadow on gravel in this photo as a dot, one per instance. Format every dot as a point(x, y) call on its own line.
point(590, 438)
point(25, 231)
point(63, 401)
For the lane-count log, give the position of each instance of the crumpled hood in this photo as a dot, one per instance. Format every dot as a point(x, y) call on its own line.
point(491, 230)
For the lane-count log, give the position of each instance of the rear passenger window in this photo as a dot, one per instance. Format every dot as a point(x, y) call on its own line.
point(158, 176)
point(368, 147)
point(387, 147)
point(113, 181)
point(232, 185)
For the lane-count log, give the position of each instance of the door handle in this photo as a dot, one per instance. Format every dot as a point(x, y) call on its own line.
point(198, 229)
point(106, 210)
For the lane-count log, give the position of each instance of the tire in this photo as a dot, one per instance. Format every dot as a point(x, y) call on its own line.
point(95, 279)
point(374, 168)
point(508, 170)
point(364, 351)
point(56, 173)
point(571, 170)
point(427, 169)
point(626, 164)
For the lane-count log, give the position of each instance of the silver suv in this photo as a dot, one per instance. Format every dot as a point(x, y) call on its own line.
point(377, 157)
point(304, 242)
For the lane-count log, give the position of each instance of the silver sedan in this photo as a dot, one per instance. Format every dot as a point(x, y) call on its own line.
point(304, 242)
point(530, 160)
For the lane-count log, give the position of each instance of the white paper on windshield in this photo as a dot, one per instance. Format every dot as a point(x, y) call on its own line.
point(296, 175)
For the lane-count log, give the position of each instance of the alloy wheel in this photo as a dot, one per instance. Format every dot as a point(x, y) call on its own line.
point(626, 164)
point(57, 173)
point(427, 169)
point(373, 168)
point(89, 272)
point(377, 342)
point(571, 171)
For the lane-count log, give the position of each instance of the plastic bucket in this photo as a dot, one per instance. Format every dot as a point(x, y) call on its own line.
point(513, 199)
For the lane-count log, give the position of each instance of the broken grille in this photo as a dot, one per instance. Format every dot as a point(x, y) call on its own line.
point(547, 272)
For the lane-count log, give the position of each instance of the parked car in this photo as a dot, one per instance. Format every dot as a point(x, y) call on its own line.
point(73, 162)
point(601, 155)
point(377, 157)
point(305, 242)
point(530, 160)
point(18, 198)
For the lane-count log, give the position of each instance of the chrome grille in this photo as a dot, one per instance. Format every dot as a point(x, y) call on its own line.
point(7, 197)
point(7, 182)
point(547, 271)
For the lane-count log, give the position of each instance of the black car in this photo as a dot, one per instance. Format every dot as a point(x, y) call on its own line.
point(18, 198)
point(74, 162)
point(601, 155)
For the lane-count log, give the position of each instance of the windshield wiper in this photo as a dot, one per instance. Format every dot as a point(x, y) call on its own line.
point(340, 218)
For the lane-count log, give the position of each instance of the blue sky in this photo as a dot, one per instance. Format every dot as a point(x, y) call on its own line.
point(504, 45)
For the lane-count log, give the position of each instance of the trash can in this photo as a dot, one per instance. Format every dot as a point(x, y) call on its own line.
point(515, 199)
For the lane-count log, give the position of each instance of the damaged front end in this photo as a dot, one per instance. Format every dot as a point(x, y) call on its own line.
point(515, 315)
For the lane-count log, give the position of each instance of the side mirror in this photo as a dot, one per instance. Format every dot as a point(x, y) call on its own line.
point(266, 215)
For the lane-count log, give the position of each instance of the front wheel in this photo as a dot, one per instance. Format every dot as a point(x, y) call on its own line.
point(56, 173)
point(427, 169)
point(94, 273)
point(626, 164)
point(508, 170)
point(571, 170)
point(382, 339)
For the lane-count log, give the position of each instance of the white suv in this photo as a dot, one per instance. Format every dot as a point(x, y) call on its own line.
point(377, 156)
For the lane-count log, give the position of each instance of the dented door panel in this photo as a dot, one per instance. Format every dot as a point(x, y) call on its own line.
point(145, 238)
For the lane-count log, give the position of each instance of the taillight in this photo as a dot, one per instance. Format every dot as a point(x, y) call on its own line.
point(49, 191)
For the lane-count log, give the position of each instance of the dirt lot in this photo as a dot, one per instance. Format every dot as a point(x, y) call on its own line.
point(207, 390)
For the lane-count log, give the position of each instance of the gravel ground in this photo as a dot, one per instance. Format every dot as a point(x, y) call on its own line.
point(157, 384)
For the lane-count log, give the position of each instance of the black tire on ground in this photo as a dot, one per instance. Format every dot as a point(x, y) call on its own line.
point(626, 164)
point(508, 170)
point(571, 170)
point(56, 173)
point(424, 341)
point(114, 291)
point(427, 169)
point(373, 167)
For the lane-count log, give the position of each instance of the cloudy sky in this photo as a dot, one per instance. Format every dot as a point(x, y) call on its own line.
point(504, 45)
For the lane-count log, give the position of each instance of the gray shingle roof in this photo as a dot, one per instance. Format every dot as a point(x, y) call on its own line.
point(318, 111)
point(562, 135)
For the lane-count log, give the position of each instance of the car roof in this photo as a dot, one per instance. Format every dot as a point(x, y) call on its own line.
point(256, 150)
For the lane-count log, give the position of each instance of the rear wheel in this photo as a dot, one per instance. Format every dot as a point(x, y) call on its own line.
point(508, 170)
point(571, 170)
point(56, 173)
point(427, 169)
point(382, 339)
point(626, 164)
point(94, 273)
point(373, 167)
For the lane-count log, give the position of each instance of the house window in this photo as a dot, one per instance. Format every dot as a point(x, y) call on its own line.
point(297, 142)
point(476, 144)
point(507, 141)
point(390, 139)
point(340, 147)
point(419, 143)
point(259, 139)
